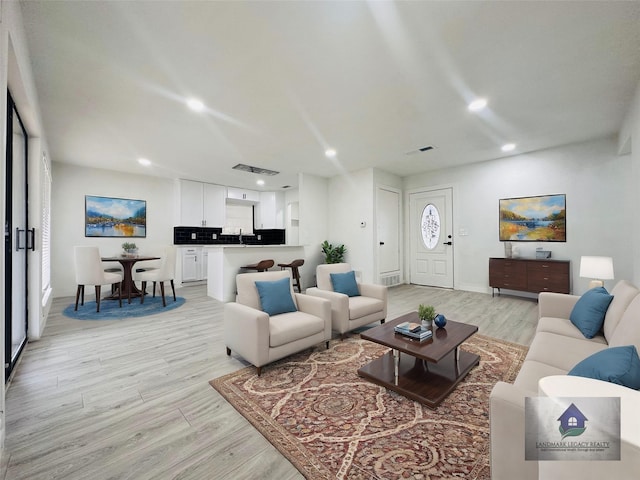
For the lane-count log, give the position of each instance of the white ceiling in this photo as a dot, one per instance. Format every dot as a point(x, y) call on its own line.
point(283, 81)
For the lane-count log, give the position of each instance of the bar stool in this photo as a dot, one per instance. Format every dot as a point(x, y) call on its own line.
point(294, 271)
point(261, 266)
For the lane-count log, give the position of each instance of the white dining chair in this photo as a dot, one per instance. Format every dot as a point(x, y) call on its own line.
point(113, 267)
point(164, 273)
point(90, 271)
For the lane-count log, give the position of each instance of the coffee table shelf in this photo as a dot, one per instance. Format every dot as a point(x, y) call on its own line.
point(428, 371)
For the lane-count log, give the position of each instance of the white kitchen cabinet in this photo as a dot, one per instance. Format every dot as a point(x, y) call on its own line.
point(234, 193)
point(213, 205)
point(201, 204)
point(192, 262)
point(269, 211)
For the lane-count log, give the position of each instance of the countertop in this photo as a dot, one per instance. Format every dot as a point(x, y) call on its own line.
point(251, 246)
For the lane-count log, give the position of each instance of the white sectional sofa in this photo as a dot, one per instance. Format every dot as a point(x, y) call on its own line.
point(556, 348)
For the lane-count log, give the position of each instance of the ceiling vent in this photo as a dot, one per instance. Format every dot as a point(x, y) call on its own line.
point(257, 170)
point(426, 148)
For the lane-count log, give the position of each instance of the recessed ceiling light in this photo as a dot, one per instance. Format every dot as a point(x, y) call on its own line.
point(195, 104)
point(507, 147)
point(145, 162)
point(260, 182)
point(477, 105)
point(330, 152)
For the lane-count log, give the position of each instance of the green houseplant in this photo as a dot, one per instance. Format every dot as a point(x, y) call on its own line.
point(426, 313)
point(333, 254)
point(129, 248)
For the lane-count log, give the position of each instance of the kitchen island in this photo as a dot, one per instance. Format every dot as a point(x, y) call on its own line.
point(226, 261)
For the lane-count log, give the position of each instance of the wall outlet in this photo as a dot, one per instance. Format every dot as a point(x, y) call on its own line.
point(214, 236)
point(193, 236)
point(259, 237)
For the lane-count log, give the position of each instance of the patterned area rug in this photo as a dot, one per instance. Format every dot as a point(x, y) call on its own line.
point(330, 423)
point(109, 309)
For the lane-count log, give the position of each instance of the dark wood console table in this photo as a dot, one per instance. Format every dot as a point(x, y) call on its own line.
point(530, 275)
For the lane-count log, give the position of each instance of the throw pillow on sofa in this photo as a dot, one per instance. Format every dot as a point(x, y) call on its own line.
point(345, 283)
point(619, 365)
point(589, 311)
point(275, 297)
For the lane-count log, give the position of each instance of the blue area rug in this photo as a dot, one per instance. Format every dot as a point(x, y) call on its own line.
point(109, 309)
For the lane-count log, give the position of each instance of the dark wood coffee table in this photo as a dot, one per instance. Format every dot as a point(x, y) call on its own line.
point(429, 370)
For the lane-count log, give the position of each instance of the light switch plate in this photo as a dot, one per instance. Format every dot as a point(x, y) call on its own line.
point(193, 236)
point(214, 236)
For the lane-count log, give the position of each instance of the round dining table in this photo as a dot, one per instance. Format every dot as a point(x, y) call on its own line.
point(129, 288)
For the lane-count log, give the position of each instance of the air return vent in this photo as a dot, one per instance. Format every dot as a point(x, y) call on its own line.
point(426, 148)
point(257, 170)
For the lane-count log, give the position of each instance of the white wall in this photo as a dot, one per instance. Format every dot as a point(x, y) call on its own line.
point(313, 224)
point(70, 185)
point(630, 137)
point(600, 216)
point(352, 201)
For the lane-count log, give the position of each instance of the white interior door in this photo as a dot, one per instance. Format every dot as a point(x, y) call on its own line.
point(431, 242)
point(388, 220)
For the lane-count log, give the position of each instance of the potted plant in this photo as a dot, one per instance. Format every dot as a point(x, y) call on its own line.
point(426, 313)
point(333, 254)
point(129, 248)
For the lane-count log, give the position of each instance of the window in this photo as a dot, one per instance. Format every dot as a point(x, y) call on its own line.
point(239, 217)
point(572, 422)
point(430, 226)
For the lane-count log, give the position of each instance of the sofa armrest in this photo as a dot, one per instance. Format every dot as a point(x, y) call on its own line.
point(320, 307)
point(557, 305)
point(246, 331)
point(375, 291)
point(339, 306)
point(506, 418)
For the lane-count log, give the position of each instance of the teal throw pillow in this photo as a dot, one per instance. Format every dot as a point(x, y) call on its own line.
point(589, 311)
point(345, 283)
point(619, 365)
point(275, 296)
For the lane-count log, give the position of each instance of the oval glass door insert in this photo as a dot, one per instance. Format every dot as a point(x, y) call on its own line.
point(430, 226)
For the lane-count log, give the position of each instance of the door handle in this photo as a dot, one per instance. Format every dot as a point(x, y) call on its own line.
point(18, 247)
point(448, 243)
point(31, 233)
point(381, 243)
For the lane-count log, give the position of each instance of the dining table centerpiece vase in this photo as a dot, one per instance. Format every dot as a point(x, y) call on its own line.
point(129, 249)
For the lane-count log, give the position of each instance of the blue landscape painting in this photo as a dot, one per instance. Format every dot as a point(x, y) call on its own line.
point(533, 219)
point(115, 217)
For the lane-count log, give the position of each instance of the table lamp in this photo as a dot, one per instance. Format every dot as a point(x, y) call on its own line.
point(596, 268)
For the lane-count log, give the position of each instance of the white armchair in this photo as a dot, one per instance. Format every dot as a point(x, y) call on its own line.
point(260, 338)
point(349, 313)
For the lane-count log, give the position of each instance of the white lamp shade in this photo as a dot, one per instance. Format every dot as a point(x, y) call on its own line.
point(596, 267)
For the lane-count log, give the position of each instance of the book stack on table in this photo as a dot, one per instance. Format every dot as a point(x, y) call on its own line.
point(413, 330)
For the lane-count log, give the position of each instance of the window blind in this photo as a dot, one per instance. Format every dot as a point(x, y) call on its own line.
point(45, 225)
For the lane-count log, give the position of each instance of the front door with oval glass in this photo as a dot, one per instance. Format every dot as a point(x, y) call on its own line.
point(431, 244)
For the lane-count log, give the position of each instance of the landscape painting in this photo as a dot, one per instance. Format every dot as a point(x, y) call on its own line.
point(533, 219)
point(114, 217)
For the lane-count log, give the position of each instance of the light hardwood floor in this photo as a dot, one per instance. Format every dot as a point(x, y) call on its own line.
point(130, 399)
